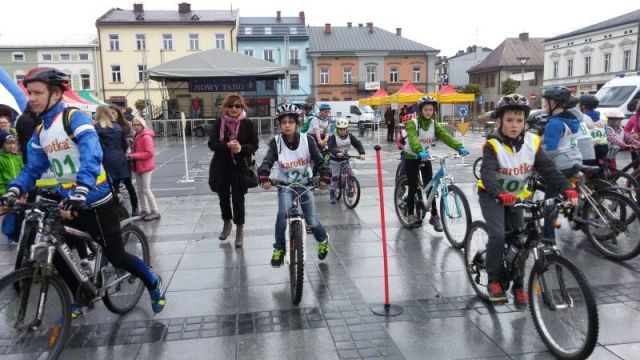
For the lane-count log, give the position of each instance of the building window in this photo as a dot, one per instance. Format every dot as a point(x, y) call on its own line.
point(347, 76)
point(324, 76)
point(268, 85)
point(142, 69)
point(220, 41)
point(167, 41)
point(293, 30)
point(486, 81)
point(85, 81)
point(294, 80)
point(248, 52)
point(141, 42)
point(267, 31)
point(18, 76)
point(534, 81)
point(493, 80)
point(268, 54)
point(18, 57)
point(116, 76)
point(114, 42)
point(65, 57)
point(393, 75)
point(587, 65)
point(294, 57)
point(416, 74)
point(47, 57)
point(247, 31)
point(569, 67)
point(371, 73)
point(194, 41)
point(626, 60)
point(83, 57)
point(607, 62)
point(555, 69)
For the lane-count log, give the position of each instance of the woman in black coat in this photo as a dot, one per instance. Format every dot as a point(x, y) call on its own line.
point(114, 158)
point(234, 141)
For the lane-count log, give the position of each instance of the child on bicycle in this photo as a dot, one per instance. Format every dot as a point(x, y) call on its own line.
point(339, 144)
point(617, 137)
point(508, 158)
point(295, 154)
point(421, 133)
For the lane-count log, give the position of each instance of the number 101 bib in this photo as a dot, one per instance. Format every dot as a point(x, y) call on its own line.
point(514, 169)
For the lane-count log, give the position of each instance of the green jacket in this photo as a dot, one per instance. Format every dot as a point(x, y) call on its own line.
point(10, 166)
point(441, 134)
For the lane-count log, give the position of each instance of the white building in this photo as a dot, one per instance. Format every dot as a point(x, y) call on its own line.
point(586, 59)
point(455, 68)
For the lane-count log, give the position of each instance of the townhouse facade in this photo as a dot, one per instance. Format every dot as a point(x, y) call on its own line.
point(453, 70)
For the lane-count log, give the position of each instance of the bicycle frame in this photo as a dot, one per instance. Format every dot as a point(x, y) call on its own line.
point(441, 179)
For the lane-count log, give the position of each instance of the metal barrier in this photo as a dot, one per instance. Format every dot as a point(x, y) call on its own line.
point(168, 128)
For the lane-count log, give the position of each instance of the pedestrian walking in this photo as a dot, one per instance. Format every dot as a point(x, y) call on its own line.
point(143, 165)
point(234, 141)
point(389, 119)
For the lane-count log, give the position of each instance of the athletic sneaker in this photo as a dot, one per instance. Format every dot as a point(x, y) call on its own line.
point(323, 248)
point(277, 258)
point(435, 221)
point(521, 298)
point(496, 294)
point(158, 300)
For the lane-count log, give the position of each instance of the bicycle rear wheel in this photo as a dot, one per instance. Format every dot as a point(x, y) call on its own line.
point(476, 167)
point(612, 224)
point(627, 183)
point(475, 254)
point(127, 290)
point(565, 315)
point(19, 332)
point(401, 192)
point(296, 262)
point(455, 214)
point(351, 191)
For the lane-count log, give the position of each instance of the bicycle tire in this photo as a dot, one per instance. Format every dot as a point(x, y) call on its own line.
point(586, 329)
point(339, 191)
point(56, 325)
point(625, 181)
point(618, 209)
point(296, 262)
point(475, 249)
point(352, 186)
point(456, 240)
point(115, 301)
point(476, 167)
point(399, 192)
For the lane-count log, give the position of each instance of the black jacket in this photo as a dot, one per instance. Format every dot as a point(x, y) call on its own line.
point(272, 155)
point(25, 125)
point(223, 162)
point(543, 165)
point(333, 146)
point(114, 151)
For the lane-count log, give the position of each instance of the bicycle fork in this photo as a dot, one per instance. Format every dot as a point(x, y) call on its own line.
point(547, 296)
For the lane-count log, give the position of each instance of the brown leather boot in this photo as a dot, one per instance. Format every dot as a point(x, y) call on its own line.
point(226, 230)
point(239, 236)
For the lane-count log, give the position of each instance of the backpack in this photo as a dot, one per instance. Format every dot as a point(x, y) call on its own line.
point(402, 139)
point(66, 122)
point(305, 127)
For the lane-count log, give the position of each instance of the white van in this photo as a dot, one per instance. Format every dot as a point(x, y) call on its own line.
point(618, 93)
point(350, 110)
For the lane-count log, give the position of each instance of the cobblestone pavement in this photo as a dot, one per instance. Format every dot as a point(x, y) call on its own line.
point(226, 303)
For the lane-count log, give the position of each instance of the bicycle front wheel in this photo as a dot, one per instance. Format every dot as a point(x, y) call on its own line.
point(20, 300)
point(476, 167)
point(475, 255)
point(296, 262)
point(612, 224)
point(455, 214)
point(563, 308)
point(351, 191)
point(123, 289)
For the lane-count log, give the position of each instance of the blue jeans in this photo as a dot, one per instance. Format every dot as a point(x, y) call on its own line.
point(308, 205)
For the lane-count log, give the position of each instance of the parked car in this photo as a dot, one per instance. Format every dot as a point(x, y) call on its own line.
point(203, 129)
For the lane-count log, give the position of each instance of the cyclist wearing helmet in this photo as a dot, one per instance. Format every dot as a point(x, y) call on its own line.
point(295, 154)
point(76, 159)
point(618, 139)
point(320, 126)
point(339, 144)
point(422, 132)
point(597, 125)
point(508, 158)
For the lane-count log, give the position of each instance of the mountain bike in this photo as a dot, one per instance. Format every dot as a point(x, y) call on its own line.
point(295, 236)
point(35, 303)
point(455, 212)
point(562, 304)
point(348, 184)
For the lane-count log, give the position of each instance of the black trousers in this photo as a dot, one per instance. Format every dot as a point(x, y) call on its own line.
point(390, 132)
point(412, 167)
point(133, 197)
point(231, 195)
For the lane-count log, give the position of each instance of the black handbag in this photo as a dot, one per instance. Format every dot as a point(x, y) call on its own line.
point(251, 174)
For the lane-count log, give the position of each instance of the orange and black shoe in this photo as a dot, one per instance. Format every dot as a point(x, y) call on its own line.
point(521, 298)
point(496, 294)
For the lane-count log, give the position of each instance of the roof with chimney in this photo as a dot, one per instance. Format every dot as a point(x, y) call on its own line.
point(628, 18)
point(360, 38)
point(182, 15)
point(274, 27)
point(470, 50)
point(508, 52)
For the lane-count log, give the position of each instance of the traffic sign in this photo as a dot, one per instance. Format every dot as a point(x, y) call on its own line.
point(533, 96)
point(462, 111)
point(463, 127)
point(480, 99)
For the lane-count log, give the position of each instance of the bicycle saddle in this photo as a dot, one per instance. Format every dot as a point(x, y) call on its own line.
point(587, 170)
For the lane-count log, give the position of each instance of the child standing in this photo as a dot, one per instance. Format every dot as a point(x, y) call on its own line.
point(339, 144)
point(617, 137)
point(10, 166)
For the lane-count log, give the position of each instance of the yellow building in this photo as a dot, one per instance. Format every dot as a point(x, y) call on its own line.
point(166, 35)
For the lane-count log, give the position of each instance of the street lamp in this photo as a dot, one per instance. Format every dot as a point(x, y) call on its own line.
point(523, 60)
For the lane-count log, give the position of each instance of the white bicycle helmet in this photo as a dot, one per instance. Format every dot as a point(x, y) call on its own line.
point(342, 123)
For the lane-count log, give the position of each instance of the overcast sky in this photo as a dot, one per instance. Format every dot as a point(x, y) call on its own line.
point(445, 25)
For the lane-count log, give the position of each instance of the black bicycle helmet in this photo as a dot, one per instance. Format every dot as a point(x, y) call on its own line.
point(573, 101)
point(512, 102)
point(6, 111)
point(559, 94)
point(287, 109)
point(47, 75)
point(590, 101)
point(426, 100)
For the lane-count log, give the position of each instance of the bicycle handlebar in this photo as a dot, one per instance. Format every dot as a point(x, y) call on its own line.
point(454, 155)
